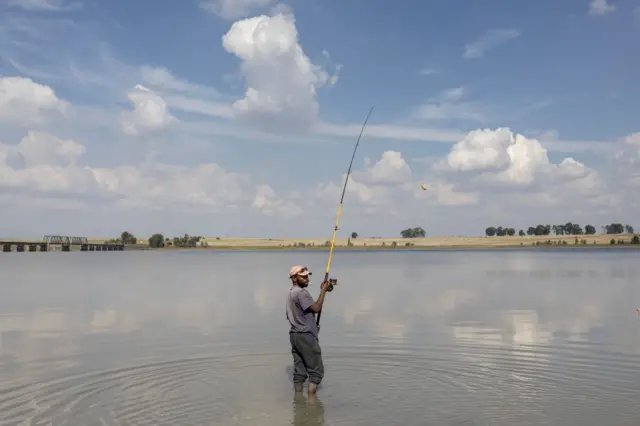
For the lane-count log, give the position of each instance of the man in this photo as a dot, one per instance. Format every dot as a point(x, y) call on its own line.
point(303, 334)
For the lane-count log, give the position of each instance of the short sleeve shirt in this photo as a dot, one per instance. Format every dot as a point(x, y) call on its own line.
point(301, 319)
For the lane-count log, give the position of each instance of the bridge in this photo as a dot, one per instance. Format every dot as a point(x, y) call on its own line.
point(62, 240)
point(53, 241)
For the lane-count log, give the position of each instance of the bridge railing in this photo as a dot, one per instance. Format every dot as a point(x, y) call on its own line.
point(64, 240)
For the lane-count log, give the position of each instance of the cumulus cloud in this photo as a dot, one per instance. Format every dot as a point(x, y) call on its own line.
point(389, 184)
point(42, 163)
point(150, 112)
point(205, 186)
point(502, 156)
point(281, 81)
point(23, 101)
point(390, 169)
point(487, 168)
point(267, 202)
point(38, 148)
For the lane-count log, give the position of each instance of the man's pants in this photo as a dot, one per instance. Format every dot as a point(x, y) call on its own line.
point(307, 358)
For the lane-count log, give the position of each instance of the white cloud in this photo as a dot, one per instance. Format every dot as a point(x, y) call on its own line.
point(627, 161)
point(600, 7)
point(44, 164)
point(389, 184)
point(386, 131)
point(161, 78)
point(46, 5)
point(233, 9)
point(150, 113)
point(502, 157)
point(267, 202)
point(205, 186)
point(281, 81)
point(38, 148)
point(447, 106)
point(489, 40)
point(390, 169)
point(23, 101)
point(487, 169)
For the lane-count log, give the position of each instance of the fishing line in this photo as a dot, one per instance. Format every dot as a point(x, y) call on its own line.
point(333, 282)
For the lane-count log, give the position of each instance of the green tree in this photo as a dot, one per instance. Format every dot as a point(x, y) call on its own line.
point(542, 230)
point(128, 238)
point(510, 232)
point(589, 229)
point(628, 229)
point(354, 235)
point(613, 228)
point(187, 241)
point(490, 231)
point(521, 233)
point(572, 229)
point(156, 241)
point(413, 233)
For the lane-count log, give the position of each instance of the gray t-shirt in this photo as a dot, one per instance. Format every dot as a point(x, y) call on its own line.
point(302, 320)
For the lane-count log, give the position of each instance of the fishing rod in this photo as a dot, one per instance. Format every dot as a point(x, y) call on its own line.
point(333, 282)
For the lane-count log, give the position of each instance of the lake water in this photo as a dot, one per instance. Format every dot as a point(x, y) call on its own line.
point(464, 337)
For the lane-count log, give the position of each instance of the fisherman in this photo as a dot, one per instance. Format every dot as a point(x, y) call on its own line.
point(303, 334)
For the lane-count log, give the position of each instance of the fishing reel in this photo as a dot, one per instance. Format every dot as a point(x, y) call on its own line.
point(332, 282)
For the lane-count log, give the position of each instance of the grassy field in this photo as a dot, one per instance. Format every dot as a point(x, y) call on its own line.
point(410, 243)
point(398, 243)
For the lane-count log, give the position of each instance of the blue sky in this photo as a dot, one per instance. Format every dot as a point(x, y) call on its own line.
point(223, 117)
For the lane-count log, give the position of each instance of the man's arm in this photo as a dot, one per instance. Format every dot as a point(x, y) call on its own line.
point(307, 303)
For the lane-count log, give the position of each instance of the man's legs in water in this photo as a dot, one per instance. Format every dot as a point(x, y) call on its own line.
point(307, 358)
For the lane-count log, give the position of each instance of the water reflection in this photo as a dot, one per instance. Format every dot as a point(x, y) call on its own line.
point(460, 330)
point(307, 411)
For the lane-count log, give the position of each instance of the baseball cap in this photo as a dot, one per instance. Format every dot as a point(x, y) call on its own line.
point(299, 270)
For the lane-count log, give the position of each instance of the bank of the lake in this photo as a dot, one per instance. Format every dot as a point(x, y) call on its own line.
point(377, 244)
point(372, 244)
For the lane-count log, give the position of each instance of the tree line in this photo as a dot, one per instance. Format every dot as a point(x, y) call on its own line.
point(568, 228)
point(186, 241)
point(159, 240)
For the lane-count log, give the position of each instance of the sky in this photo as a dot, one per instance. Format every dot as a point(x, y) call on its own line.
point(237, 118)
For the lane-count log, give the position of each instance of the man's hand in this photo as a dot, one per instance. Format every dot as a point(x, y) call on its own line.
point(324, 286)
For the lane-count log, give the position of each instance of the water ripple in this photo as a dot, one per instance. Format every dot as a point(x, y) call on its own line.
point(481, 384)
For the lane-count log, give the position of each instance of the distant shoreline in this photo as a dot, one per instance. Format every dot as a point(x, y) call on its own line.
point(389, 244)
point(409, 244)
point(415, 248)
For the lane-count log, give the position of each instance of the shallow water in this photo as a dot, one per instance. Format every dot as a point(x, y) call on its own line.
point(466, 337)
